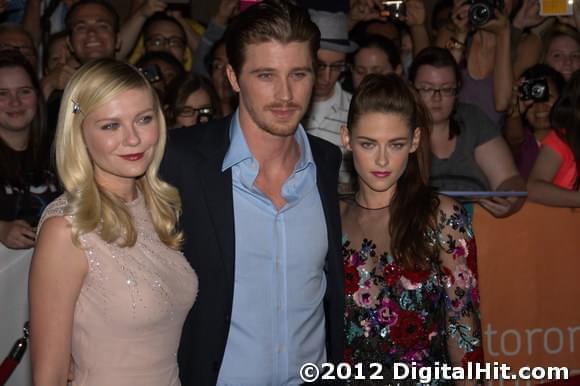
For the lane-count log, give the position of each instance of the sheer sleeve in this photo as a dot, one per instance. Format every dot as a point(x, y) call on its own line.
point(458, 258)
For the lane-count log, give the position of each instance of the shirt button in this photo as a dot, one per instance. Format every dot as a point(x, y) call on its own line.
point(279, 348)
point(279, 307)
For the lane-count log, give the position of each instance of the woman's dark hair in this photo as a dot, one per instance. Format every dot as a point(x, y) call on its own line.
point(387, 46)
point(181, 88)
point(438, 58)
point(565, 118)
point(37, 151)
point(163, 56)
point(545, 71)
point(414, 205)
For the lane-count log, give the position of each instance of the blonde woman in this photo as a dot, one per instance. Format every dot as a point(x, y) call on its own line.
point(109, 290)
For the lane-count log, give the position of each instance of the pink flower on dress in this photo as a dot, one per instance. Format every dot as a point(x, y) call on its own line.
point(463, 277)
point(364, 298)
point(461, 249)
point(388, 311)
point(409, 285)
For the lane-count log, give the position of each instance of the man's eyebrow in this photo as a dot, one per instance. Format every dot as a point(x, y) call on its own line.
point(271, 69)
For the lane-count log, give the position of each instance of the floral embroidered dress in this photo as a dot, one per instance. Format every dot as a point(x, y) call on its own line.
point(397, 315)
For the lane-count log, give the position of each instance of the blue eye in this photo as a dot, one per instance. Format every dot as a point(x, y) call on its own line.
point(146, 119)
point(110, 126)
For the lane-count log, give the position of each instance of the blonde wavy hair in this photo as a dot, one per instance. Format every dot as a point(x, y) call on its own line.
point(90, 206)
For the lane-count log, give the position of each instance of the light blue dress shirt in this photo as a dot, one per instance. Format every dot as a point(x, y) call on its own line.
point(277, 321)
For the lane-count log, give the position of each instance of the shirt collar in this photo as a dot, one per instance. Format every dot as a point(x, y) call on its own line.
point(239, 151)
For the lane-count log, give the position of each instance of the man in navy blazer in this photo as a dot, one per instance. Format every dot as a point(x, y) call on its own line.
point(260, 215)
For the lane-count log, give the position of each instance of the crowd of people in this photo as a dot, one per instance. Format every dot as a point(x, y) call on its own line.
point(222, 203)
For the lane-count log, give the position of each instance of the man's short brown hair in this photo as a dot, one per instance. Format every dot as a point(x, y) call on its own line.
point(270, 20)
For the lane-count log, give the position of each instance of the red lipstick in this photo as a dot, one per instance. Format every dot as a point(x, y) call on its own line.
point(132, 157)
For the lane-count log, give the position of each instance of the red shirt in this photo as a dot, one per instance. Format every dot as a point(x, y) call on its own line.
point(567, 173)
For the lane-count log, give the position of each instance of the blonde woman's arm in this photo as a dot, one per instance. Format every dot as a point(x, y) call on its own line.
point(540, 186)
point(57, 273)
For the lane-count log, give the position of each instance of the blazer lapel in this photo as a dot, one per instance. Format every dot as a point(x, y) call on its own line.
point(217, 191)
point(326, 191)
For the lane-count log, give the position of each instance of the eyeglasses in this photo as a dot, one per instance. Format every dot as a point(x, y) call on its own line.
point(203, 114)
point(445, 92)
point(334, 67)
point(160, 41)
point(24, 50)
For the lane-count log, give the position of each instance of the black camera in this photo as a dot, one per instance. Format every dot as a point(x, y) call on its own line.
point(393, 9)
point(482, 11)
point(535, 89)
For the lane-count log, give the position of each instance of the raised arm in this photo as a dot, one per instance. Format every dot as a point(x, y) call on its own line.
point(131, 29)
point(454, 35)
point(459, 265)
point(502, 71)
point(57, 272)
point(415, 19)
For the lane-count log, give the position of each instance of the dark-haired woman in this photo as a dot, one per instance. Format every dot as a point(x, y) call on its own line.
point(554, 179)
point(376, 55)
point(27, 184)
point(529, 120)
point(409, 253)
point(191, 100)
point(468, 151)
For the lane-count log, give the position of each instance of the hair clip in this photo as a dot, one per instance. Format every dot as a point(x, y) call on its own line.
point(76, 107)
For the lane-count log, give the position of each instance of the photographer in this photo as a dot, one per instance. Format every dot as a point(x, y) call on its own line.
point(554, 178)
point(529, 117)
point(482, 46)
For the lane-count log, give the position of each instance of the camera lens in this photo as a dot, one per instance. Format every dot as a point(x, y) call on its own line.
point(479, 14)
point(538, 91)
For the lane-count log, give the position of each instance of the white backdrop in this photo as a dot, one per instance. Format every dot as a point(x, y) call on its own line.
point(14, 265)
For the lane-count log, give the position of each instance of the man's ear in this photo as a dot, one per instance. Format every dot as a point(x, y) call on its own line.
point(345, 137)
point(233, 79)
point(69, 44)
point(118, 43)
point(415, 140)
point(399, 70)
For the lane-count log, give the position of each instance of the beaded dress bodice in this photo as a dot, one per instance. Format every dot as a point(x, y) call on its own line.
point(131, 308)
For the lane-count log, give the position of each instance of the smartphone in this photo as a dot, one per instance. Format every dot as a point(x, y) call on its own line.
point(245, 4)
point(152, 73)
point(393, 9)
point(556, 7)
